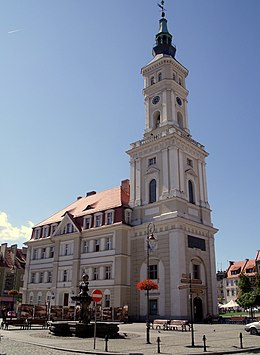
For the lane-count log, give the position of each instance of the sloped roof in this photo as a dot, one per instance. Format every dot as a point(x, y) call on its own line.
point(100, 201)
point(240, 266)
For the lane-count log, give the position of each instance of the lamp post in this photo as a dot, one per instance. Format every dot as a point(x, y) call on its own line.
point(149, 238)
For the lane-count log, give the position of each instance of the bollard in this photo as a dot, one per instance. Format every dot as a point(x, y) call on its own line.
point(106, 342)
point(241, 340)
point(204, 343)
point(158, 345)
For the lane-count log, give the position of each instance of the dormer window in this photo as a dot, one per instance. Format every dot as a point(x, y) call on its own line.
point(45, 232)
point(109, 217)
point(98, 220)
point(128, 216)
point(37, 233)
point(87, 222)
point(53, 228)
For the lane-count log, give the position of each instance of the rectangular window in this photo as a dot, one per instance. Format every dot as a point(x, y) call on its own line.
point(85, 246)
point(95, 273)
point(43, 254)
point(33, 277)
point(65, 276)
point(31, 299)
point(108, 273)
point(45, 232)
point(197, 243)
point(87, 223)
point(109, 217)
point(53, 228)
point(37, 233)
point(196, 271)
point(189, 162)
point(35, 254)
point(49, 277)
point(51, 252)
point(153, 272)
point(108, 243)
point(152, 161)
point(41, 278)
point(97, 245)
point(66, 249)
point(98, 220)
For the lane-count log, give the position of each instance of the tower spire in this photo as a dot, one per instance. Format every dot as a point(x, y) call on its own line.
point(163, 37)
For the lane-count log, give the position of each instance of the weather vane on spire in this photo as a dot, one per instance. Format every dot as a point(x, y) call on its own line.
point(161, 6)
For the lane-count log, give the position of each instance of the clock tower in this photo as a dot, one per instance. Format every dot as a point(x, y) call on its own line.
point(169, 189)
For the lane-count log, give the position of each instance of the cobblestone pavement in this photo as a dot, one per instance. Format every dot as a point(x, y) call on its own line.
point(220, 338)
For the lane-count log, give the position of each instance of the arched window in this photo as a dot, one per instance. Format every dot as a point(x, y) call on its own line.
point(157, 120)
point(191, 192)
point(152, 80)
point(152, 191)
point(180, 120)
point(159, 76)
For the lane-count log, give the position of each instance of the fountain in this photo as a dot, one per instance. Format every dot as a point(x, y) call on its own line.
point(84, 328)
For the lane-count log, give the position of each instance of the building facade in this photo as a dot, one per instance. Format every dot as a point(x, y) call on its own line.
point(106, 235)
point(12, 266)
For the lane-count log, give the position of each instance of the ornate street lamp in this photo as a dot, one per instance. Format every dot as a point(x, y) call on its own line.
point(149, 240)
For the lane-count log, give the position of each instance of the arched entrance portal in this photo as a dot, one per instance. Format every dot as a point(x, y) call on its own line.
point(197, 309)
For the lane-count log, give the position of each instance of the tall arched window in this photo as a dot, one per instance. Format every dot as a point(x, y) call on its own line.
point(191, 192)
point(157, 119)
point(152, 191)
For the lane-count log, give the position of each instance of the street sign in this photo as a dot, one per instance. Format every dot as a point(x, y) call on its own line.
point(97, 295)
point(192, 281)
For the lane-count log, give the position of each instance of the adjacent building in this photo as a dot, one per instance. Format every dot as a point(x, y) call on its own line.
point(12, 266)
point(105, 234)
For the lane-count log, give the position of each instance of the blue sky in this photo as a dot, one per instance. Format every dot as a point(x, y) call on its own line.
point(71, 103)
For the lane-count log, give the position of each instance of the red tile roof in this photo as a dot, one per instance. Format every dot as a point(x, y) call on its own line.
point(239, 267)
point(101, 201)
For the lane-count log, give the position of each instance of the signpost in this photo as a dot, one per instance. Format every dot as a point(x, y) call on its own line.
point(97, 296)
point(193, 286)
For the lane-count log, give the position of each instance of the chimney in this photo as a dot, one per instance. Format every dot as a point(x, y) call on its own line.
point(13, 251)
point(90, 193)
point(3, 249)
point(125, 186)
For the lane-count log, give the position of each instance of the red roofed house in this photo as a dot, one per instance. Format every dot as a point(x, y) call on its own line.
point(247, 267)
point(105, 234)
point(12, 265)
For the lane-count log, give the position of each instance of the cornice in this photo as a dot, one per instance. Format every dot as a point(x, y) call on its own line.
point(161, 62)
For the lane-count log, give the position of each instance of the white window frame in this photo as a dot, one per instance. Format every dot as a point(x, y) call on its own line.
point(110, 217)
point(45, 232)
point(41, 277)
point(37, 233)
point(49, 276)
point(65, 276)
point(97, 245)
point(53, 228)
point(87, 222)
point(85, 246)
point(108, 272)
point(98, 218)
point(109, 243)
point(35, 254)
point(95, 273)
point(51, 252)
point(43, 253)
point(128, 216)
point(33, 277)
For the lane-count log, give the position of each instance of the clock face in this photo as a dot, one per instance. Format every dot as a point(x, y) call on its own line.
point(155, 100)
point(179, 101)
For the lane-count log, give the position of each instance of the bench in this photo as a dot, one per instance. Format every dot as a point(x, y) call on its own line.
point(24, 323)
point(160, 324)
point(179, 324)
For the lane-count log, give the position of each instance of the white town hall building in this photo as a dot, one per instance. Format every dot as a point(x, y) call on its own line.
point(104, 234)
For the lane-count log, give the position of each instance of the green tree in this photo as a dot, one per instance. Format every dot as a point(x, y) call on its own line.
point(249, 292)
